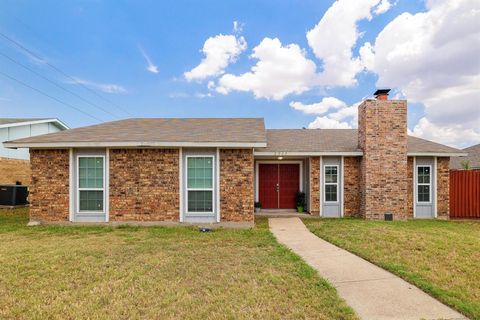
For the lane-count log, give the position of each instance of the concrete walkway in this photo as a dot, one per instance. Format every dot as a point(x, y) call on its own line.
point(371, 291)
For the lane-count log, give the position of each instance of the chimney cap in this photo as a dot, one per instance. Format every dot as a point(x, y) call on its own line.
point(381, 92)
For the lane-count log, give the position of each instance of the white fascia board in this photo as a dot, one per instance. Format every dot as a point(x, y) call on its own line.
point(323, 153)
point(437, 154)
point(26, 123)
point(132, 144)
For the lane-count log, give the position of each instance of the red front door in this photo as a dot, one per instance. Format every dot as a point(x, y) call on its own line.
point(277, 185)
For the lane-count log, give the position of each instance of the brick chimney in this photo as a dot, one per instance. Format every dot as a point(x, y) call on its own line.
point(382, 135)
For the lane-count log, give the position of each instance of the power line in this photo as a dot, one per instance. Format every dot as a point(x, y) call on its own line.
point(56, 84)
point(49, 96)
point(62, 72)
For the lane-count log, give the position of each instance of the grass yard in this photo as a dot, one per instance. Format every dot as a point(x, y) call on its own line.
point(153, 272)
point(440, 257)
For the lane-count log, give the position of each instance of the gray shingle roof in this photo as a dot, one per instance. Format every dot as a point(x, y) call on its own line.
point(145, 130)
point(335, 140)
point(473, 157)
point(195, 131)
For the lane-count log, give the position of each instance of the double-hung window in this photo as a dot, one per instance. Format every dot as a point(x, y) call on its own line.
point(200, 184)
point(330, 178)
point(91, 183)
point(424, 182)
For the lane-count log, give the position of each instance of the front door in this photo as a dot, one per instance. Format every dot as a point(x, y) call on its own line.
point(277, 185)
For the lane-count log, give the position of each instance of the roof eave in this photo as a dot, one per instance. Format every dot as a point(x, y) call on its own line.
point(26, 123)
point(308, 153)
point(127, 144)
point(437, 154)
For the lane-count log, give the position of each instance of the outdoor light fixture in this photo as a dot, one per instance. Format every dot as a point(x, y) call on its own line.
point(280, 158)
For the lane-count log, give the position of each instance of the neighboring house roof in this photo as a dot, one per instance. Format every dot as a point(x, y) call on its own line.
point(337, 141)
point(235, 132)
point(13, 122)
point(473, 157)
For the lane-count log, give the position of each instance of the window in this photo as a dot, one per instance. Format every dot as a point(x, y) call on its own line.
point(91, 183)
point(200, 184)
point(423, 183)
point(330, 178)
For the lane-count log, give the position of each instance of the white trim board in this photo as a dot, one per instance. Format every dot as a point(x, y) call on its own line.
point(71, 191)
point(310, 153)
point(26, 123)
point(180, 181)
point(120, 144)
point(217, 177)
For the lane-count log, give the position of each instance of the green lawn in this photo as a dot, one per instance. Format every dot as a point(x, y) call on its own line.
point(440, 257)
point(153, 272)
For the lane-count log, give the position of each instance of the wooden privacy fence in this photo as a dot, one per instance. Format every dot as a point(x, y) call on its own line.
point(465, 194)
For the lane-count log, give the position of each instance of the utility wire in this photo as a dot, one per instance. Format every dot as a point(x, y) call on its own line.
point(49, 96)
point(62, 72)
point(57, 85)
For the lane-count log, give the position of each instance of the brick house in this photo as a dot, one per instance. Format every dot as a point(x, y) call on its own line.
point(213, 170)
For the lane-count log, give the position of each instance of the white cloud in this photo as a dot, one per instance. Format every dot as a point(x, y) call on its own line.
point(432, 57)
point(321, 107)
point(219, 52)
point(238, 27)
point(105, 87)
point(328, 123)
point(279, 71)
point(333, 113)
point(383, 7)
point(150, 66)
point(333, 38)
point(447, 134)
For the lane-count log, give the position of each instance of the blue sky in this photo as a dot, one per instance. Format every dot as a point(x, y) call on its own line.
point(106, 46)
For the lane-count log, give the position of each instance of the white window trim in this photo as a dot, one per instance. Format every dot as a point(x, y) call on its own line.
point(435, 209)
point(180, 178)
point(414, 187)
point(71, 215)
point(424, 184)
point(325, 183)
point(320, 182)
point(217, 178)
point(212, 189)
point(90, 189)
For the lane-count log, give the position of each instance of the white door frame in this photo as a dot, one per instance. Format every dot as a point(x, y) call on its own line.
point(299, 162)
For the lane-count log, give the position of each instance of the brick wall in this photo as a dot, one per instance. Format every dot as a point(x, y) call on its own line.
point(410, 202)
point(144, 185)
point(382, 136)
point(13, 170)
point(49, 186)
point(314, 186)
point(443, 188)
point(236, 185)
point(351, 186)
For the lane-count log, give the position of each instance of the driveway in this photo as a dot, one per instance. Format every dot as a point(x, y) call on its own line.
point(371, 291)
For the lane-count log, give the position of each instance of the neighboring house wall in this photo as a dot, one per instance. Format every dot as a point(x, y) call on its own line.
point(314, 186)
point(236, 185)
point(23, 131)
point(383, 138)
point(13, 170)
point(351, 186)
point(144, 185)
point(443, 188)
point(49, 188)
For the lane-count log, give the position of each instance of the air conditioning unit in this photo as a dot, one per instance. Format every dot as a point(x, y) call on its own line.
point(13, 195)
